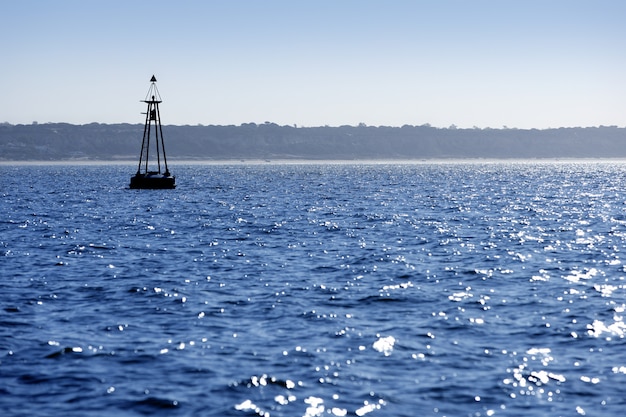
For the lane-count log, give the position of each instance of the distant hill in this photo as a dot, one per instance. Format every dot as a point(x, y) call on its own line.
point(62, 141)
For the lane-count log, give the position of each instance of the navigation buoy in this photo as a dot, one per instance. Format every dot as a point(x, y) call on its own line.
point(149, 175)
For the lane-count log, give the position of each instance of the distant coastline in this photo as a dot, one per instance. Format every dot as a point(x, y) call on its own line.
point(271, 142)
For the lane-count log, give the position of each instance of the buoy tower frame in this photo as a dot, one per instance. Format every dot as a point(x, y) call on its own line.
point(145, 177)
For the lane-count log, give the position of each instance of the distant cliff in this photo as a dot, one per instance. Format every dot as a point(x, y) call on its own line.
point(62, 141)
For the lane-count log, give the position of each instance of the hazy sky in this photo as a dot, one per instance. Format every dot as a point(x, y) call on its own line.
point(485, 63)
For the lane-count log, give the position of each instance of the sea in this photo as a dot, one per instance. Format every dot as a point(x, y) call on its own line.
point(443, 288)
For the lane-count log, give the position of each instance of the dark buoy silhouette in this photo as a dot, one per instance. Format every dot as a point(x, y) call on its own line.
point(149, 175)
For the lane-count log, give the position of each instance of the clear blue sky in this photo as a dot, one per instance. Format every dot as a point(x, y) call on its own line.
point(485, 63)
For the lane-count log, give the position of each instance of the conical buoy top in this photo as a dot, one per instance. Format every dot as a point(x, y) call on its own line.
point(153, 79)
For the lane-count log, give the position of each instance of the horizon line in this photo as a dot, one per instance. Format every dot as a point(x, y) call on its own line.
point(298, 126)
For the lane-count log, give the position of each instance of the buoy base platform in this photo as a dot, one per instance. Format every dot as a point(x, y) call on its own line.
point(152, 181)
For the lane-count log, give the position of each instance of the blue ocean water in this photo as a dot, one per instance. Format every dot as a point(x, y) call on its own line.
point(427, 289)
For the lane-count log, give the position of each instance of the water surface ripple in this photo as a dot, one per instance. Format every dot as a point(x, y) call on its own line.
point(450, 289)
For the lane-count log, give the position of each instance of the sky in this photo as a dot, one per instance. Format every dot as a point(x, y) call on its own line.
point(469, 63)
